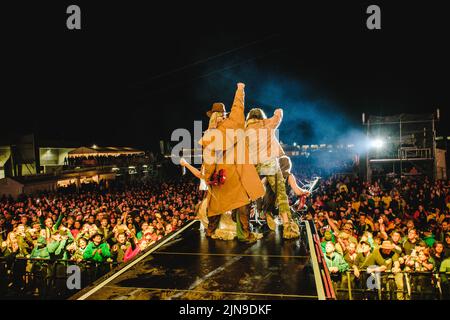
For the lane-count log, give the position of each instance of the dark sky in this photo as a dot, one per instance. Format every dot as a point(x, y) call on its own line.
point(135, 73)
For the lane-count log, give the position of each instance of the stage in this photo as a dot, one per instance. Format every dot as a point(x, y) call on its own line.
point(191, 266)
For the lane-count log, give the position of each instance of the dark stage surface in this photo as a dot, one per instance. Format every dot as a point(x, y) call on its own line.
point(192, 266)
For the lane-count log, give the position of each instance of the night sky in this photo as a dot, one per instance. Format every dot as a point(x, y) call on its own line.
point(135, 73)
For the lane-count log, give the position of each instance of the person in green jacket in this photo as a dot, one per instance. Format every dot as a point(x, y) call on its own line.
point(334, 260)
point(40, 250)
point(48, 225)
point(338, 267)
point(40, 268)
point(57, 247)
point(428, 237)
point(97, 250)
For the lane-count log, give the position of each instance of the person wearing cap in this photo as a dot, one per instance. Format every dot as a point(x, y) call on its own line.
point(225, 151)
point(328, 236)
point(384, 258)
point(96, 250)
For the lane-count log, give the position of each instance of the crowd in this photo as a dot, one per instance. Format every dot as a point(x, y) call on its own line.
point(96, 224)
point(388, 227)
point(323, 164)
point(107, 160)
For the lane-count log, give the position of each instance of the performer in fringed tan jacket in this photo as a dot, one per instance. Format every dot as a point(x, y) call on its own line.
point(225, 155)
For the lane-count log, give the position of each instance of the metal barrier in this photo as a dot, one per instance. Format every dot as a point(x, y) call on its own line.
point(45, 278)
point(324, 284)
point(392, 286)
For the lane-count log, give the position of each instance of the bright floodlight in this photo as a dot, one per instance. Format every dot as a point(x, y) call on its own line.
point(377, 143)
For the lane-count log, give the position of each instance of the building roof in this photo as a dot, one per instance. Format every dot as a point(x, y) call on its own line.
point(85, 151)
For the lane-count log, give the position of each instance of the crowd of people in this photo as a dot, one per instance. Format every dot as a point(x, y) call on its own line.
point(390, 227)
point(95, 224)
point(123, 160)
point(386, 227)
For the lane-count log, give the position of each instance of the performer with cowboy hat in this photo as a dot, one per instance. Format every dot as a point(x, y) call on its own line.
point(232, 180)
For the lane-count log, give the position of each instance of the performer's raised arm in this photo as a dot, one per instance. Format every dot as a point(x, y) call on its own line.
point(237, 109)
point(275, 121)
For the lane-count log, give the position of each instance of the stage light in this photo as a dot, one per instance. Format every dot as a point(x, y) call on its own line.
point(377, 143)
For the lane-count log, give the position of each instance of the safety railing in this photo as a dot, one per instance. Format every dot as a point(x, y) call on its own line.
point(31, 278)
point(387, 285)
point(323, 281)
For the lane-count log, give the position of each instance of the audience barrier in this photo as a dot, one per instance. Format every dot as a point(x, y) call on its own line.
point(47, 279)
point(387, 285)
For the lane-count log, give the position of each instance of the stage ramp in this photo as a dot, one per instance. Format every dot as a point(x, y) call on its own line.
point(187, 265)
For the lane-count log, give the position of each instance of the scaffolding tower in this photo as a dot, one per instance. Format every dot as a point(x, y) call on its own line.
point(406, 145)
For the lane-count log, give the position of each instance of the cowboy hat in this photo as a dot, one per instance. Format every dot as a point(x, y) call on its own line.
point(216, 107)
point(387, 245)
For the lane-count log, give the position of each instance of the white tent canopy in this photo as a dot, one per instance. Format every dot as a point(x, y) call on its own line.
point(103, 151)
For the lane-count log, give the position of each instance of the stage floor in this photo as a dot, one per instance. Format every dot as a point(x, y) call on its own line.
point(192, 266)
